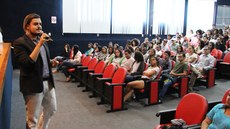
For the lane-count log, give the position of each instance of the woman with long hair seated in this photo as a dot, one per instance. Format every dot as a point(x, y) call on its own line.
point(149, 74)
point(137, 67)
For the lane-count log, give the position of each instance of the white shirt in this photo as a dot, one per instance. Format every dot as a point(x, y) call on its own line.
point(158, 53)
point(135, 67)
point(77, 58)
point(127, 63)
point(188, 56)
point(205, 61)
point(150, 68)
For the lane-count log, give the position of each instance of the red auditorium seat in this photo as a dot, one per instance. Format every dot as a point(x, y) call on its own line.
point(150, 92)
point(93, 78)
point(99, 68)
point(192, 109)
point(113, 91)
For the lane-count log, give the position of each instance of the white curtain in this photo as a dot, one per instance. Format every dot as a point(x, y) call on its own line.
point(128, 16)
point(86, 16)
point(200, 15)
point(223, 16)
point(170, 14)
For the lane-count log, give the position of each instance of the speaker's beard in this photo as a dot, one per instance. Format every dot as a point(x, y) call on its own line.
point(35, 34)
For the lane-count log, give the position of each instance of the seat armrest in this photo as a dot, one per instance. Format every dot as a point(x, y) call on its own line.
point(193, 126)
point(115, 84)
point(166, 116)
point(88, 70)
point(105, 79)
point(82, 67)
point(225, 63)
point(165, 112)
point(96, 74)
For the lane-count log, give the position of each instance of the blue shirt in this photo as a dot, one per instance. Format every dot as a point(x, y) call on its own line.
point(218, 118)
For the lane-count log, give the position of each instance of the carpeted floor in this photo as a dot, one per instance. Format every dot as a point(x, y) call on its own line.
point(77, 111)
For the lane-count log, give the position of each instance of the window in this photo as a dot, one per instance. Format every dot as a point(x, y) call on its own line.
point(223, 16)
point(128, 16)
point(86, 16)
point(200, 14)
point(168, 16)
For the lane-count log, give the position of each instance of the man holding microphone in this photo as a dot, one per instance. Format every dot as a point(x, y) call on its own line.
point(36, 79)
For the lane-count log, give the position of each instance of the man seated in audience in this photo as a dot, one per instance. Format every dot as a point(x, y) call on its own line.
point(166, 63)
point(164, 45)
point(180, 69)
point(204, 63)
point(174, 45)
point(145, 53)
point(127, 61)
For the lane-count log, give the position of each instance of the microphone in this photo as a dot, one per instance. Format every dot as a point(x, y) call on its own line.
point(48, 37)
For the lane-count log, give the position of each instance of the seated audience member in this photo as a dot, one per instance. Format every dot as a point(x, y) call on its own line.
point(220, 45)
point(151, 44)
point(132, 50)
point(169, 40)
point(185, 43)
point(218, 117)
point(180, 69)
point(110, 44)
point(213, 50)
point(102, 54)
point(71, 62)
point(115, 46)
point(164, 45)
point(118, 58)
point(149, 74)
point(158, 51)
point(179, 50)
point(64, 55)
point(96, 50)
point(145, 53)
point(191, 56)
point(90, 49)
point(204, 63)
point(151, 52)
point(167, 63)
point(174, 45)
point(71, 57)
point(137, 49)
point(135, 43)
point(110, 55)
point(200, 46)
point(137, 67)
point(127, 61)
